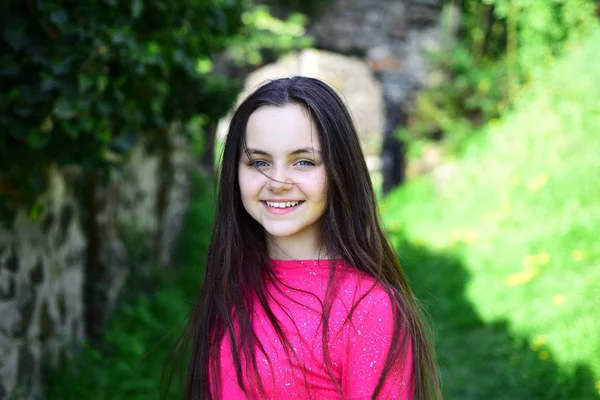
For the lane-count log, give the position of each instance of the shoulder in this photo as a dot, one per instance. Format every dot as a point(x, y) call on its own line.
point(362, 294)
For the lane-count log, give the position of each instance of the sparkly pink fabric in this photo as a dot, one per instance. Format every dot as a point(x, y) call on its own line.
point(357, 350)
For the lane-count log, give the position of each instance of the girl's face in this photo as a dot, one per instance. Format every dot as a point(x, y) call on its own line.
point(283, 181)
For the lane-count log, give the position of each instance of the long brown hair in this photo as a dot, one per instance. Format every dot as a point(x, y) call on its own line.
point(238, 264)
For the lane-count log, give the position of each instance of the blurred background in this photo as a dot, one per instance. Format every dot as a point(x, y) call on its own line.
point(479, 120)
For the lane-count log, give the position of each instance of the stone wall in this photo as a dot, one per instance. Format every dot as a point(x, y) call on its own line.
point(80, 237)
point(41, 286)
point(393, 37)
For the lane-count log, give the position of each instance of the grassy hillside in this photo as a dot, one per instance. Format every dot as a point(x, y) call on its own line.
point(505, 250)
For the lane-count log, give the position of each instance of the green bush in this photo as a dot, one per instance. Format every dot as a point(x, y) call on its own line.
point(264, 33)
point(500, 46)
point(82, 81)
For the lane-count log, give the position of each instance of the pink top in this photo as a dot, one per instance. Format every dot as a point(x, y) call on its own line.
point(357, 351)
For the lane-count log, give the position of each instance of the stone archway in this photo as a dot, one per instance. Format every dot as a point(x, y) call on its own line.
point(351, 77)
point(393, 37)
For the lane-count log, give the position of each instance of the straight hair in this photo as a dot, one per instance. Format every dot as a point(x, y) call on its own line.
point(238, 267)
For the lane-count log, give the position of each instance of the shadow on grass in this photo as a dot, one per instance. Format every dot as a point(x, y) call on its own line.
point(481, 360)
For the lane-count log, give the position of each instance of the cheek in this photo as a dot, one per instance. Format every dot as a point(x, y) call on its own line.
point(243, 183)
point(249, 185)
point(316, 210)
point(321, 186)
point(318, 192)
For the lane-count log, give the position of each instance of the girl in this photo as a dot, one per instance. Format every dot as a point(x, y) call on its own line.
point(304, 297)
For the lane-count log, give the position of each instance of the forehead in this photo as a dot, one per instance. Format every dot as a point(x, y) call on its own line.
point(278, 129)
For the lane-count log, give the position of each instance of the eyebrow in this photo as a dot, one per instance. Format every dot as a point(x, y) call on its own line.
point(299, 151)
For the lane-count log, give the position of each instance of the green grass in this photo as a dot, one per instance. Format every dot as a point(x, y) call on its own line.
point(128, 363)
point(505, 252)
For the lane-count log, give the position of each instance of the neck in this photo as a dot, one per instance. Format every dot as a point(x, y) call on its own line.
point(307, 245)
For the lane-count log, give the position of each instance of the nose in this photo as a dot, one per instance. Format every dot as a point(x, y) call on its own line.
point(279, 181)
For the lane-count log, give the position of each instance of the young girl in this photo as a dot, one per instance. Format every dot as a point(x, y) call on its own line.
point(304, 297)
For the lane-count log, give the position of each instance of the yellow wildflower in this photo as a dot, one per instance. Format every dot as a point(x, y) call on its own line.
point(463, 235)
point(559, 300)
point(538, 342)
point(542, 258)
point(579, 255)
point(470, 235)
point(394, 227)
point(520, 278)
point(538, 182)
point(419, 243)
point(455, 235)
point(528, 261)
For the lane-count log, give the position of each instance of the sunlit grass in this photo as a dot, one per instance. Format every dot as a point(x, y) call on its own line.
point(521, 217)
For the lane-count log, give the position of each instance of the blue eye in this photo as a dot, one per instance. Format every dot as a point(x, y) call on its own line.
point(305, 163)
point(258, 164)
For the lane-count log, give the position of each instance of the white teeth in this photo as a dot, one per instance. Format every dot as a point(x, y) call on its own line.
point(282, 204)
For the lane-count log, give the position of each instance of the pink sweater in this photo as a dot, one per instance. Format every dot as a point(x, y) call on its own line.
point(357, 350)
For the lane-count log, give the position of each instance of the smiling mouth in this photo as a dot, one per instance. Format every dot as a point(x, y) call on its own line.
point(283, 205)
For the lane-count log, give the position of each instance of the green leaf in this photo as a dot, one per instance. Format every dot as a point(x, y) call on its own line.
point(204, 65)
point(8, 66)
point(101, 83)
point(62, 66)
point(18, 131)
point(23, 111)
point(47, 125)
point(59, 18)
point(63, 108)
point(124, 143)
point(104, 136)
point(49, 83)
point(14, 34)
point(14, 94)
point(37, 139)
point(87, 123)
point(136, 8)
point(84, 82)
point(69, 129)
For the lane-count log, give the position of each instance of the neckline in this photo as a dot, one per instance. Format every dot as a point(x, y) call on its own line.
point(303, 264)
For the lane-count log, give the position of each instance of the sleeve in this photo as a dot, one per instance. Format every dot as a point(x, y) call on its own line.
point(369, 339)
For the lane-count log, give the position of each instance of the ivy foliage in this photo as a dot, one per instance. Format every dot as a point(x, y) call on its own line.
point(265, 34)
point(499, 46)
point(82, 81)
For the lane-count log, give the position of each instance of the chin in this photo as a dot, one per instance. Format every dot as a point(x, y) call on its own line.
point(281, 232)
